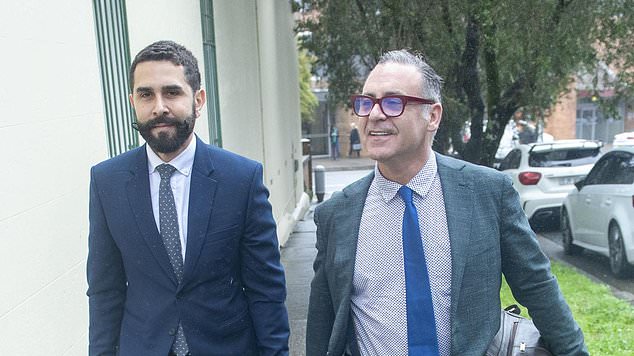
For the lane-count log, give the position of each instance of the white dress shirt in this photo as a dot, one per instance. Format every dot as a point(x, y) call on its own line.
point(180, 183)
point(378, 294)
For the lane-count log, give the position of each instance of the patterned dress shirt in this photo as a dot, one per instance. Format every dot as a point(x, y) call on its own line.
point(378, 292)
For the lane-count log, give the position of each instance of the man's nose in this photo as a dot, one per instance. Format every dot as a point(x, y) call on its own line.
point(160, 106)
point(376, 113)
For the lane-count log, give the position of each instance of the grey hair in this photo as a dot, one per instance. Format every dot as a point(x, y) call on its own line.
point(432, 82)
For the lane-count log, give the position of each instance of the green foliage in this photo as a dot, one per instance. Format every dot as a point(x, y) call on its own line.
point(617, 48)
point(307, 100)
point(495, 56)
point(607, 322)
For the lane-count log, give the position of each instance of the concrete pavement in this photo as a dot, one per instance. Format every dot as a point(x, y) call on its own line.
point(299, 251)
point(297, 257)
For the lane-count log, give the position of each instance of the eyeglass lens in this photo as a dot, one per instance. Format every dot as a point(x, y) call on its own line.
point(391, 106)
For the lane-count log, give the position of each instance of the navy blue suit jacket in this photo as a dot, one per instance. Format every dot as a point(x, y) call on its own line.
point(231, 299)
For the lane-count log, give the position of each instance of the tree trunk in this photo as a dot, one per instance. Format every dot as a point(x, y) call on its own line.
point(471, 87)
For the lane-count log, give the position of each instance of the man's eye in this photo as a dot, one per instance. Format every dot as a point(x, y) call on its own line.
point(173, 93)
point(144, 95)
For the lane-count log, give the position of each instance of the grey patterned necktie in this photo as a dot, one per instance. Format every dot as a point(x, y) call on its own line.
point(168, 221)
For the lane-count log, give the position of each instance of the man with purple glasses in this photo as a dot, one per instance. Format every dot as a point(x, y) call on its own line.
point(410, 257)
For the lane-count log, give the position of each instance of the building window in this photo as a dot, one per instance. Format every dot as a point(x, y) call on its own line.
point(114, 59)
point(211, 72)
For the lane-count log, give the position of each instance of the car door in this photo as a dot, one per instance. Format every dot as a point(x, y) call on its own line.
point(610, 192)
point(595, 214)
point(581, 204)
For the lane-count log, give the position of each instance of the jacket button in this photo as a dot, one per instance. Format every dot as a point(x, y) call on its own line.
point(172, 331)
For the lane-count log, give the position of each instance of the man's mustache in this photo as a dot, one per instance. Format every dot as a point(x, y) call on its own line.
point(161, 120)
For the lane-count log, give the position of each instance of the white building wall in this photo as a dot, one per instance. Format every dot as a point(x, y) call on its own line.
point(239, 77)
point(52, 131)
point(52, 128)
point(259, 98)
point(282, 122)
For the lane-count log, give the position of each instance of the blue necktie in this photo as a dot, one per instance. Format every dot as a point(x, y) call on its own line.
point(421, 324)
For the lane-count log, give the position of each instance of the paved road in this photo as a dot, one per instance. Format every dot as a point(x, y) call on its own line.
point(590, 263)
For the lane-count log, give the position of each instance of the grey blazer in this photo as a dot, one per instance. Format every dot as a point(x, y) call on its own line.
point(489, 235)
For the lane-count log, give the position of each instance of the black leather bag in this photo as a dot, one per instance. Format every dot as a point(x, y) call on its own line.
point(517, 336)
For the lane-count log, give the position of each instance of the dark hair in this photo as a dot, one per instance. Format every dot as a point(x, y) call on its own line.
point(173, 52)
point(432, 82)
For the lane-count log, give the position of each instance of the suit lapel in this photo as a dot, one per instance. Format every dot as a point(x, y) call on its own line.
point(201, 201)
point(346, 227)
point(138, 192)
point(459, 206)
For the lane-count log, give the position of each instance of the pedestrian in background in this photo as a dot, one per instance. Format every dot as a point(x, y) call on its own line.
point(355, 141)
point(334, 143)
point(183, 256)
point(527, 132)
point(410, 258)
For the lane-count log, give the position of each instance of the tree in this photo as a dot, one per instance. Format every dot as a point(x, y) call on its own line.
point(495, 56)
point(616, 49)
point(307, 100)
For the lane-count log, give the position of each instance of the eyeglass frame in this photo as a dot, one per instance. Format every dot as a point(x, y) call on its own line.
point(405, 98)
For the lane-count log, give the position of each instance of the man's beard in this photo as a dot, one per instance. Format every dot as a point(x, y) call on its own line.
point(167, 142)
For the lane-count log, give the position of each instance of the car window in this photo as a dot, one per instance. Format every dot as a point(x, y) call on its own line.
point(569, 157)
point(598, 172)
point(624, 169)
point(613, 168)
point(512, 160)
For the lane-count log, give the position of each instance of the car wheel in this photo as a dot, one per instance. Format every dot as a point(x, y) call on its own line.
point(618, 259)
point(566, 233)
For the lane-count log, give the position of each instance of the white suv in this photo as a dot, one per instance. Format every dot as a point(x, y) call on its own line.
point(599, 214)
point(623, 139)
point(544, 173)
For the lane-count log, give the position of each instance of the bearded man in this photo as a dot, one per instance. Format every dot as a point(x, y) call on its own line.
point(183, 254)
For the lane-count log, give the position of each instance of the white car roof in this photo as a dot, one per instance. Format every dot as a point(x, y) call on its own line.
point(629, 149)
point(559, 144)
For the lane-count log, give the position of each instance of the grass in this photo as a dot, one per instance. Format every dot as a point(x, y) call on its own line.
point(607, 322)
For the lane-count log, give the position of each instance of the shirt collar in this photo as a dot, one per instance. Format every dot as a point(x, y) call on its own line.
point(183, 162)
point(420, 183)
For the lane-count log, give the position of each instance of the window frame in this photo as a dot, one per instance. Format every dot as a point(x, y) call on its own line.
point(114, 61)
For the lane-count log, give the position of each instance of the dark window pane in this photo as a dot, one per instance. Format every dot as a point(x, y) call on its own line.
point(564, 157)
point(516, 159)
point(624, 170)
point(597, 172)
point(511, 161)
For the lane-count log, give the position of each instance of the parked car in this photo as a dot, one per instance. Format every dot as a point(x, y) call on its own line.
point(623, 139)
point(599, 214)
point(544, 173)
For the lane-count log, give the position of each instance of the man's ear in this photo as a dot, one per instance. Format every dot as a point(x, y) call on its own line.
point(435, 116)
point(131, 98)
point(200, 98)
